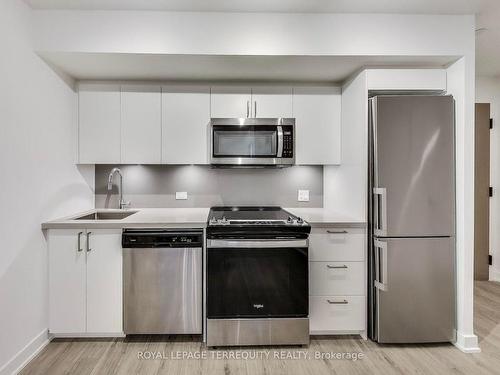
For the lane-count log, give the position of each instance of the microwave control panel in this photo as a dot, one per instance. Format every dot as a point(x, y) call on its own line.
point(287, 141)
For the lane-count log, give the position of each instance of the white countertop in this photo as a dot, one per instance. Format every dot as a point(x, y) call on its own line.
point(318, 217)
point(187, 218)
point(143, 217)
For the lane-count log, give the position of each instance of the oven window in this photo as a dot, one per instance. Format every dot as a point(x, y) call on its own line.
point(257, 282)
point(245, 143)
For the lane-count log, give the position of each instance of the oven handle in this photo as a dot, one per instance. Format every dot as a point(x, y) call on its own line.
point(279, 154)
point(265, 243)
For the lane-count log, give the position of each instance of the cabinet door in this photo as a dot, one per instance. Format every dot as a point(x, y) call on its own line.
point(230, 101)
point(140, 124)
point(318, 117)
point(66, 281)
point(269, 102)
point(185, 118)
point(104, 281)
point(99, 124)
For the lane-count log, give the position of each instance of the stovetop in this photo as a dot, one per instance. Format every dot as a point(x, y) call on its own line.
point(253, 219)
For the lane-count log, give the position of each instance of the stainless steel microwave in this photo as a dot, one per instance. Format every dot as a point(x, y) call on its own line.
point(252, 142)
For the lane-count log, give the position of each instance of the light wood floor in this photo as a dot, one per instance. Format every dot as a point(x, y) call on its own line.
point(120, 356)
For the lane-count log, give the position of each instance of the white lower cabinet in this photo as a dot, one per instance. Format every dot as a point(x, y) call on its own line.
point(85, 282)
point(337, 281)
point(336, 314)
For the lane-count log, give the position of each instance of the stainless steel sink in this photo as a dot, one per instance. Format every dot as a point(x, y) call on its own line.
point(106, 215)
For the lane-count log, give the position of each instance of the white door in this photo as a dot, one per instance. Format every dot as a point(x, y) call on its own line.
point(270, 102)
point(185, 118)
point(99, 123)
point(230, 101)
point(67, 286)
point(104, 281)
point(140, 124)
point(318, 125)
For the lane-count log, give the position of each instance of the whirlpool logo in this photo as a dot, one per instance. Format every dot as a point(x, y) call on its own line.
point(258, 306)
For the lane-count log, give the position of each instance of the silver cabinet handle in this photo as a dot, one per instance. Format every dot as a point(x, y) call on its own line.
point(248, 108)
point(336, 231)
point(336, 267)
point(343, 302)
point(80, 241)
point(255, 109)
point(88, 241)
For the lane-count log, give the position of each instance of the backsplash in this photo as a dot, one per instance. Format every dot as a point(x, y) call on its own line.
point(156, 185)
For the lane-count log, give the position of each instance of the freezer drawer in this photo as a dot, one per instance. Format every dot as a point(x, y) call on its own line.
point(414, 290)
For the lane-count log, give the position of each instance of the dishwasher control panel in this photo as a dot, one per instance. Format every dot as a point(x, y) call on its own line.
point(154, 238)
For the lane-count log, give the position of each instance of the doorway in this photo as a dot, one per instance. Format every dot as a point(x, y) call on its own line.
point(482, 192)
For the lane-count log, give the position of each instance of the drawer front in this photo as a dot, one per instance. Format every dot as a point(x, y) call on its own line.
point(336, 278)
point(337, 244)
point(337, 313)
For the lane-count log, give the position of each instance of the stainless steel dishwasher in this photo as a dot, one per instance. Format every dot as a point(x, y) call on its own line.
point(162, 281)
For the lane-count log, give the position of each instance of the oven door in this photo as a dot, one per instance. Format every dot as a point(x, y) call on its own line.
point(257, 279)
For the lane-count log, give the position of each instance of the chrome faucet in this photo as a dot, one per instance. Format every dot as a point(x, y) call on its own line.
point(123, 204)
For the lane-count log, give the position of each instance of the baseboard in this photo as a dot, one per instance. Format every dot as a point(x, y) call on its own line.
point(494, 274)
point(86, 335)
point(467, 343)
point(26, 354)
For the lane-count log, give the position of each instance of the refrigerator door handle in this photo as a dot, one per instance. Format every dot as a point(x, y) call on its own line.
point(381, 281)
point(380, 211)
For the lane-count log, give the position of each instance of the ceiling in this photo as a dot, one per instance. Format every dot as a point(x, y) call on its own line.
point(487, 14)
point(127, 66)
point(284, 6)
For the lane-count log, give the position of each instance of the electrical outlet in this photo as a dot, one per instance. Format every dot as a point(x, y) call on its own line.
point(181, 195)
point(303, 196)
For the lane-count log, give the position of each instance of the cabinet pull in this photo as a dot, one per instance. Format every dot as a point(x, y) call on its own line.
point(248, 108)
point(255, 109)
point(88, 241)
point(343, 302)
point(80, 241)
point(336, 231)
point(336, 267)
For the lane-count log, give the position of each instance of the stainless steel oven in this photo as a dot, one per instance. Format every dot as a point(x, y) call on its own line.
point(252, 142)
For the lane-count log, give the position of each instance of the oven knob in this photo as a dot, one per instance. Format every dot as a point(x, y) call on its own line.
point(224, 221)
point(289, 220)
point(213, 220)
point(300, 220)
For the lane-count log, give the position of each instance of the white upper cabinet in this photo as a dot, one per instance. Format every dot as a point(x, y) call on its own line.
point(140, 124)
point(185, 118)
point(318, 125)
point(270, 102)
point(99, 123)
point(230, 101)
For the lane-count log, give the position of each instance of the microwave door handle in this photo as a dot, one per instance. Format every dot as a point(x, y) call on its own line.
point(279, 154)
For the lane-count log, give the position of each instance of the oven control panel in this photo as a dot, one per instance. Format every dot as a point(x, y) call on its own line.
point(287, 141)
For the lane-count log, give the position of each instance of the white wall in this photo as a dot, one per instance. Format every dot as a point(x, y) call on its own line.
point(488, 91)
point(39, 181)
point(253, 33)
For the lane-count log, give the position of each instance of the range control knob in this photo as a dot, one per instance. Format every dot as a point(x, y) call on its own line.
point(213, 220)
point(289, 220)
point(300, 220)
point(223, 221)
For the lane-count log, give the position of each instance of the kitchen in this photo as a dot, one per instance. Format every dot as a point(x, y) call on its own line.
point(221, 164)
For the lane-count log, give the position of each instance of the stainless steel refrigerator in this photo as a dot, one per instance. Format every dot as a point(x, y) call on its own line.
point(412, 219)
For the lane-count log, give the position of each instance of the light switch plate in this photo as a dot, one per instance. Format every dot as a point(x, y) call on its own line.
point(303, 196)
point(181, 195)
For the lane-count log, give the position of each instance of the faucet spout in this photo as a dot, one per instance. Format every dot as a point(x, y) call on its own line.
point(110, 185)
